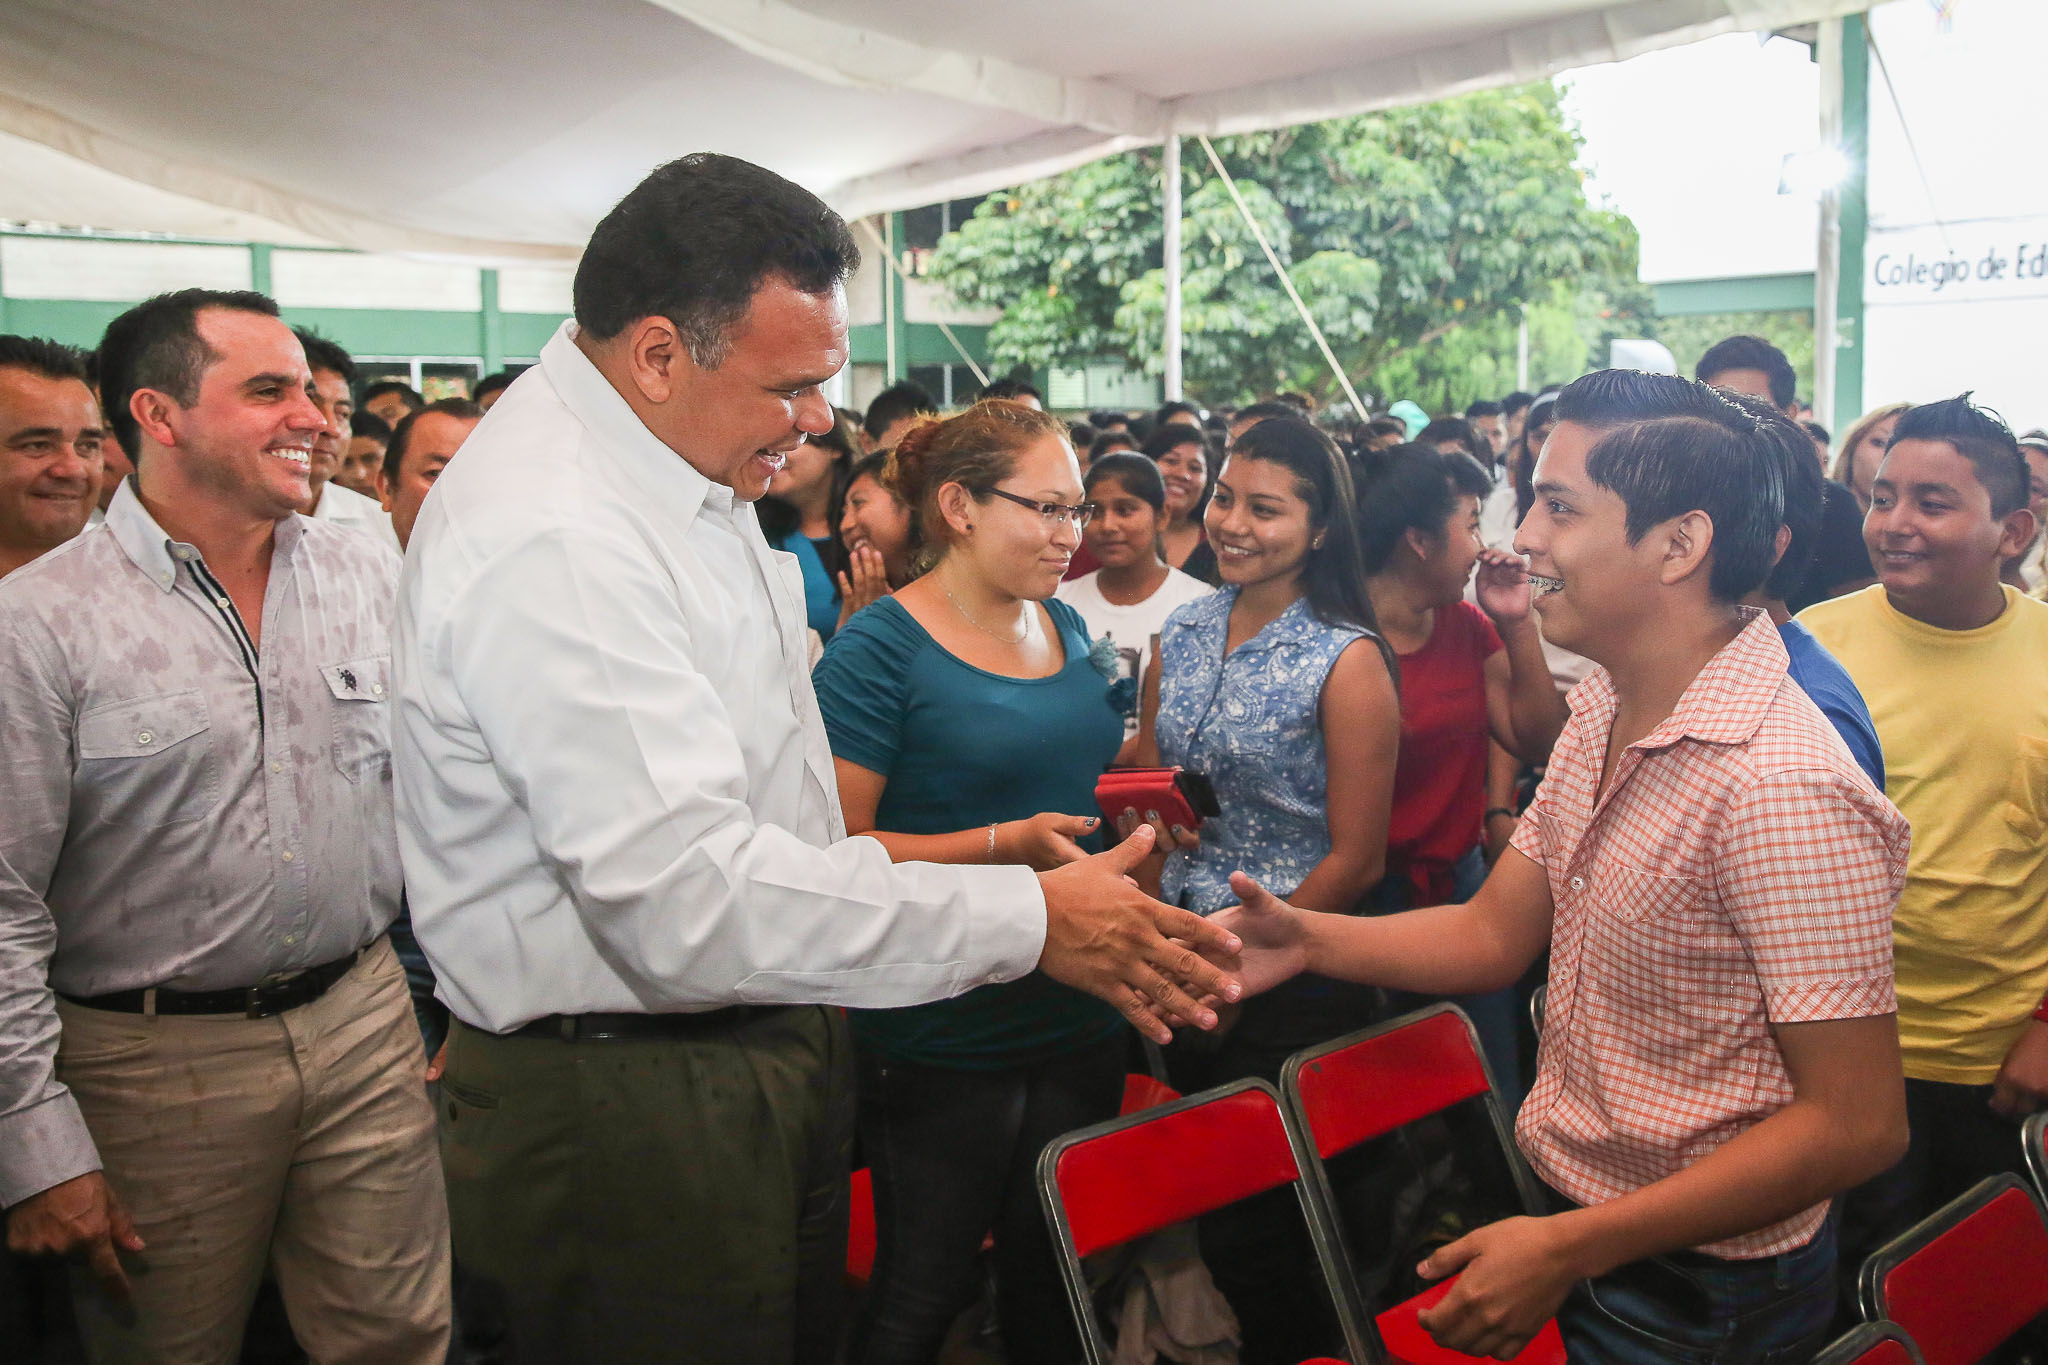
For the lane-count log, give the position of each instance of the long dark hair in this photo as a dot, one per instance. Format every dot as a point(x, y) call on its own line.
point(1410, 488)
point(779, 517)
point(1333, 577)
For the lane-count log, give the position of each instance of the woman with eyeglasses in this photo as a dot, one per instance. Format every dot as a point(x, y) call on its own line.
point(968, 724)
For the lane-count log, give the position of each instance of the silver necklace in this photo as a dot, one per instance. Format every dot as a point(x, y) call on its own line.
point(1030, 622)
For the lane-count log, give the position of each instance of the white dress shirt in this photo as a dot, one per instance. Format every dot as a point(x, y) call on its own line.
point(340, 506)
point(614, 788)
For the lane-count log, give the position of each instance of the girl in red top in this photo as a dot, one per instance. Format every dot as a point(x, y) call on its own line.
point(1467, 676)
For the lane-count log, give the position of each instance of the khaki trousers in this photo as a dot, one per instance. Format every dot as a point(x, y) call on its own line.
point(655, 1202)
point(305, 1140)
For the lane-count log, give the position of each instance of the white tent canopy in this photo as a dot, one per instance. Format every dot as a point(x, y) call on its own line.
point(501, 130)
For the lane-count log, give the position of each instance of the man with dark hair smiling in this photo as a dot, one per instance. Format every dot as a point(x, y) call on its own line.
point(618, 810)
point(1950, 662)
point(420, 449)
point(1714, 878)
point(197, 869)
point(51, 436)
point(333, 373)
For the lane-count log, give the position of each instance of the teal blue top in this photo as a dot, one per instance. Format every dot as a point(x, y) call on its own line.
point(961, 748)
point(821, 594)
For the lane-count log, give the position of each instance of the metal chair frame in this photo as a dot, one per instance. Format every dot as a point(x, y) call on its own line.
point(1886, 1259)
point(1862, 1344)
point(1079, 1299)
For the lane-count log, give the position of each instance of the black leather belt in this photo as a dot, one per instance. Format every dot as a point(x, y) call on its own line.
point(251, 1002)
point(585, 1028)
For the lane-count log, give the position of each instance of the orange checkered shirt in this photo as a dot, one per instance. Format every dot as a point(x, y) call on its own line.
point(1739, 872)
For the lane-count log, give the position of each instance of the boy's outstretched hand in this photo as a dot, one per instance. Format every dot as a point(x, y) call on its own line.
point(1274, 934)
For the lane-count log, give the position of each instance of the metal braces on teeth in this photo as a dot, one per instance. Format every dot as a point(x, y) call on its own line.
point(1540, 583)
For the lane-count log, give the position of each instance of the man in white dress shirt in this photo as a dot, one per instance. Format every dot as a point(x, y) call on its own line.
point(334, 371)
point(620, 826)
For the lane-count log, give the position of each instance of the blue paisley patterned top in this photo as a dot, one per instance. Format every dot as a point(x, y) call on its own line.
point(1251, 724)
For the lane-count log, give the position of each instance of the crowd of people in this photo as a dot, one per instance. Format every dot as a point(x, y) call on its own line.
point(490, 877)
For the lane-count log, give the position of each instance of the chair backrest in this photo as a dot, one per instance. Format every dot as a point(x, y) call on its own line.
point(1132, 1176)
point(1967, 1277)
point(1871, 1343)
point(2034, 1137)
point(1368, 1084)
point(1145, 1092)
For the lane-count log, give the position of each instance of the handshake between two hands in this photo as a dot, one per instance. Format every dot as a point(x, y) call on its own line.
point(1159, 965)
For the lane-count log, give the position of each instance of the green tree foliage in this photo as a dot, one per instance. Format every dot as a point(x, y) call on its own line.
point(1415, 236)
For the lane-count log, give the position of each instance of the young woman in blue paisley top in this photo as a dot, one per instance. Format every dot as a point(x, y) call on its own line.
point(969, 724)
point(1278, 689)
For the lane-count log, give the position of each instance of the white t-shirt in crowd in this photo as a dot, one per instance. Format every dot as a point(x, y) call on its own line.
point(1130, 628)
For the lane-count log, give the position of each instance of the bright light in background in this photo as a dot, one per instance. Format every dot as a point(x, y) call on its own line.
point(1813, 173)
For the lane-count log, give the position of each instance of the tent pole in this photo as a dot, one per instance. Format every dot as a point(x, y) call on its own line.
point(1827, 267)
point(1172, 210)
point(1273, 259)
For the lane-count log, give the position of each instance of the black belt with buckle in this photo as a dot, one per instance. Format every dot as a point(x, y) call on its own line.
point(584, 1028)
point(251, 1002)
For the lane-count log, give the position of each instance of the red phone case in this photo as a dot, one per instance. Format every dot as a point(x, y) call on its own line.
point(1143, 791)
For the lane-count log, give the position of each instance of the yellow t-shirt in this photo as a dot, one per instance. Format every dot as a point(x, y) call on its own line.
point(1963, 717)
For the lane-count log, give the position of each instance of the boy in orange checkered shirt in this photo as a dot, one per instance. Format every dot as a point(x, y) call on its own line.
point(1714, 877)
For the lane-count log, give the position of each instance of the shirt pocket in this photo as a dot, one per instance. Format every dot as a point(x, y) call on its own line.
point(148, 761)
point(361, 689)
point(2026, 804)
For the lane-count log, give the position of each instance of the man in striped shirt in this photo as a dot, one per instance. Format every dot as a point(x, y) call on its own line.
point(1715, 879)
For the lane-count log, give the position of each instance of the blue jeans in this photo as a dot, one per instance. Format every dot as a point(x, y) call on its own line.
point(954, 1155)
point(1690, 1309)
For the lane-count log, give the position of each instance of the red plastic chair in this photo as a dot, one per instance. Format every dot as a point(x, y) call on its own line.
point(1133, 1176)
point(1967, 1277)
point(1368, 1084)
point(1143, 1092)
point(1871, 1343)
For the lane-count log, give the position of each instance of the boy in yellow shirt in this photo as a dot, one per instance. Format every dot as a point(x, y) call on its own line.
point(1950, 662)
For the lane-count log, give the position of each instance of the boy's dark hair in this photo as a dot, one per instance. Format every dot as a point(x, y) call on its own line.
point(394, 452)
point(1485, 407)
point(1108, 443)
point(1515, 402)
point(322, 354)
point(413, 401)
point(694, 241)
point(1138, 475)
point(1979, 436)
point(893, 404)
point(156, 345)
point(1168, 410)
point(1819, 433)
point(1677, 445)
point(490, 384)
point(371, 425)
point(1010, 387)
point(1172, 436)
point(1744, 352)
point(1260, 412)
point(1804, 487)
point(1108, 417)
point(42, 357)
point(1457, 429)
point(1409, 488)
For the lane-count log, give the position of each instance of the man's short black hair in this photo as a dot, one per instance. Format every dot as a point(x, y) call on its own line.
point(394, 453)
point(156, 345)
point(1516, 402)
point(1167, 411)
point(1744, 352)
point(413, 401)
point(322, 354)
point(1108, 417)
point(893, 404)
point(695, 240)
point(1674, 446)
point(1980, 437)
point(490, 384)
point(42, 357)
point(1484, 407)
point(1012, 388)
point(371, 425)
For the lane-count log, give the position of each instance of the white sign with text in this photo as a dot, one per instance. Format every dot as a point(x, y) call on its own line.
point(1960, 262)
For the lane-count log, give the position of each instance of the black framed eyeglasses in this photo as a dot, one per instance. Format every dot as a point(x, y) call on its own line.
point(1054, 512)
